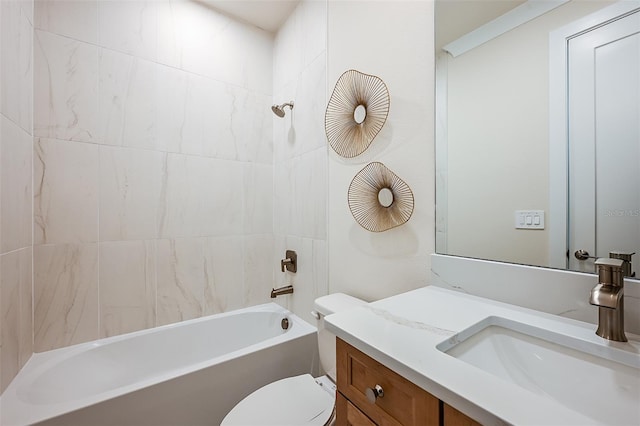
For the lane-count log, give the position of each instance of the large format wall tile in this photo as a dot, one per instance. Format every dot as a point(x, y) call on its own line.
point(310, 282)
point(129, 26)
point(127, 287)
point(127, 105)
point(15, 187)
point(66, 175)
point(310, 108)
point(9, 326)
point(15, 313)
point(65, 88)
point(204, 197)
point(197, 39)
point(132, 182)
point(176, 183)
point(225, 272)
point(188, 114)
point(251, 125)
point(65, 295)
point(300, 202)
point(258, 198)
point(258, 267)
point(201, 116)
point(71, 18)
point(181, 279)
point(16, 76)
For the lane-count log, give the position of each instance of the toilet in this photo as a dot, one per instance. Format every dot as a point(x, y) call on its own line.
point(299, 400)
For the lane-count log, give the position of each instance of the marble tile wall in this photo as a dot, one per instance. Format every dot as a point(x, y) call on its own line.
point(300, 155)
point(16, 147)
point(153, 166)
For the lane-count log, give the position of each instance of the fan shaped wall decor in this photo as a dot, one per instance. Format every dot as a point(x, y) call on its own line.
point(357, 110)
point(378, 199)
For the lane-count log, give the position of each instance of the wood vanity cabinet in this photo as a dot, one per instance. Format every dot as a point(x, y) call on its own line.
point(401, 402)
point(453, 417)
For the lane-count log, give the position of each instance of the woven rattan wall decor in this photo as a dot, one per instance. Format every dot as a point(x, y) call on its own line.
point(378, 199)
point(357, 110)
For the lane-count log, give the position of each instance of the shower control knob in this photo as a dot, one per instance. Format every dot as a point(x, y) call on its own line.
point(374, 393)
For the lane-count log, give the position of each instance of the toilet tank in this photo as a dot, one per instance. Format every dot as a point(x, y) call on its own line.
point(327, 305)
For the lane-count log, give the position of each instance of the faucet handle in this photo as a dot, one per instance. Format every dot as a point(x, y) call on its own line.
point(290, 262)
point(626, 256)
point(610, 271)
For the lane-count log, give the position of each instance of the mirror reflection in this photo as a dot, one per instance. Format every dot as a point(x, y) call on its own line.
point(360, 114)
point(385, 197)
point(520, 135)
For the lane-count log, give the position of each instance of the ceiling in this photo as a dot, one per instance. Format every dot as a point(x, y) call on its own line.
point(266, 14)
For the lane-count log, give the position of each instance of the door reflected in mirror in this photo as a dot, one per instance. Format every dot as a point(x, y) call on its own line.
point(500, 107)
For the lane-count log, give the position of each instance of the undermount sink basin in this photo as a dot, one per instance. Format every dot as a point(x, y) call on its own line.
point(599, 381)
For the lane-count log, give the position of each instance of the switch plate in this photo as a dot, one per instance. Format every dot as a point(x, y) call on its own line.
point(529, 219)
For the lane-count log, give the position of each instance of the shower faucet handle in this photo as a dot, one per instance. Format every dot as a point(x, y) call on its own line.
point(290, 263)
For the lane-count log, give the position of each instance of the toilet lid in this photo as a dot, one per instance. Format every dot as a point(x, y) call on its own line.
point(292, 401)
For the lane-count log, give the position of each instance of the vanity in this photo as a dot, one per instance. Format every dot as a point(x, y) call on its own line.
point(393, 400)
point(436, 356)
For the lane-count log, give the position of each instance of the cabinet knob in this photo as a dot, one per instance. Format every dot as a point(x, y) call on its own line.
point(374, 393)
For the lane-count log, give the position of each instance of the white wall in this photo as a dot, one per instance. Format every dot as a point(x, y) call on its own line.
point(394, 41)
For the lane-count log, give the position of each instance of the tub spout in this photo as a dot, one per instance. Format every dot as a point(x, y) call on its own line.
point(275, 292)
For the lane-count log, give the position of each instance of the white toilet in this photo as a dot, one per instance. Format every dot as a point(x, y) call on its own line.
point(300, 400)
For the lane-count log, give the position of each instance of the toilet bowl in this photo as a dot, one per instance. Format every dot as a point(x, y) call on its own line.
point(299, 400)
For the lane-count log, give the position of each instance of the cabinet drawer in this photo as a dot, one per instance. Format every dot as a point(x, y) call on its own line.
point(349, 414)
point(402, 402)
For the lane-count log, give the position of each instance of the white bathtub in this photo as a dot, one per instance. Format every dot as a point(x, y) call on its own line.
point(190, 373)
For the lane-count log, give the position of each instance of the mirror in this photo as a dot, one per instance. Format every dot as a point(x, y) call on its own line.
point(360, 114)
point(385, 197)
point(497, 167)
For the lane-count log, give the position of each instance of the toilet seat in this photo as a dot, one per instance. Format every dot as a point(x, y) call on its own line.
point(293, 401)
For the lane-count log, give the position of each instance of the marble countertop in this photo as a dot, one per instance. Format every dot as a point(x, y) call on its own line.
point(402, 332)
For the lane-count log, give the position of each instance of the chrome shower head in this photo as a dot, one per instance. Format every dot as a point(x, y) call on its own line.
point(279, 109)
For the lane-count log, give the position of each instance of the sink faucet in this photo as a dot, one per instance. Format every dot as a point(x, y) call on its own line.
point(608, 295)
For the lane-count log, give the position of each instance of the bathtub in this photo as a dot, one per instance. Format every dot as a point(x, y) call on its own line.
point(189, 373)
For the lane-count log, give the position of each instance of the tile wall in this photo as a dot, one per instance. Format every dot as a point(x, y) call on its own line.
point(300, 155)
point(152, 166)
point(16, 249)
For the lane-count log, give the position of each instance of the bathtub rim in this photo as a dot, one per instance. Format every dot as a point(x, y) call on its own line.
point(15, 409)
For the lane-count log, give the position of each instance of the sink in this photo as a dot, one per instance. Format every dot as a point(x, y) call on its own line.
point(599, 381)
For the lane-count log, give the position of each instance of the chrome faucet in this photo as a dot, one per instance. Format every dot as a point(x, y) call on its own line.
point(275, 292)
point(608, 295)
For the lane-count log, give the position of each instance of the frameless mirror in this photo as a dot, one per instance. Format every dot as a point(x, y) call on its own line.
point(385, 197)
point(536, 160)
point(360, 114)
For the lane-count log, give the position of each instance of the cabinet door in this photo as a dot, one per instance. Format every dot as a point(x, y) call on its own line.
point(348, 415)
point(453, 417)
point(401, 403)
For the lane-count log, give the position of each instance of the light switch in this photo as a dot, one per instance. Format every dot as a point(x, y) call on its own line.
point(529, 219)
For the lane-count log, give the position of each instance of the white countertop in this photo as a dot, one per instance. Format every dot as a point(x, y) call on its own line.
point(402, 332)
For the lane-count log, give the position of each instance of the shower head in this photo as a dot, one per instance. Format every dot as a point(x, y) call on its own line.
point(279, 109)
